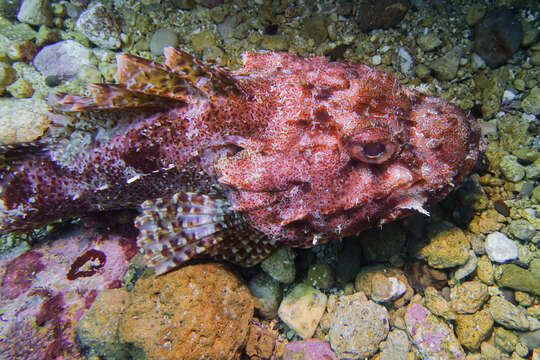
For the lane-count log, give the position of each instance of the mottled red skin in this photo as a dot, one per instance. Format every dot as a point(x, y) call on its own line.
point(288, 151)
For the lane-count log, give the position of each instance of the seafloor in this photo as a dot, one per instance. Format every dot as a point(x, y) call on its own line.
point(463, 283)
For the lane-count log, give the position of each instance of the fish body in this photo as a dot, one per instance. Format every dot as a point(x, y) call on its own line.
point(231, 164)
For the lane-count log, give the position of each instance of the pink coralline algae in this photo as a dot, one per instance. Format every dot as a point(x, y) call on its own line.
point(45, 291)
point(232, 164)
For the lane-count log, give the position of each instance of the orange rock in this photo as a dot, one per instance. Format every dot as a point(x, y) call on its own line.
point(199, 311)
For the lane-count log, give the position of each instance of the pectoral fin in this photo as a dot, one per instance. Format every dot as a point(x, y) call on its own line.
point(189, 225)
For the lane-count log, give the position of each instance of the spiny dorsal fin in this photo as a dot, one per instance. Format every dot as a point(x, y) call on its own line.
point(107, 96)
point(152, 78)
point(187, 225)
point(205, 78)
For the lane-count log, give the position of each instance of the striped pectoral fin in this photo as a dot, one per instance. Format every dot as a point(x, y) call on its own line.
point(190, 225)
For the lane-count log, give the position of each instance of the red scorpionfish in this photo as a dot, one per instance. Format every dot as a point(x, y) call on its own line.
point(232, 164)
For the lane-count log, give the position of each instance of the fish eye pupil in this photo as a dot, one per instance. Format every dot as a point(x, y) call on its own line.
point(374, 149)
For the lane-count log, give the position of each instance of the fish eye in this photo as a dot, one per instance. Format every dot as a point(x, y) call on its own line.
point(371, 151)
point(374, 150)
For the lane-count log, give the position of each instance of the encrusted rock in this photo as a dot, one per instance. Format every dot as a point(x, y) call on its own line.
point(36, 12)
point(428, 41)
point(468, 297)
point(320, 276)
point(302, 309)
point(517, 278)
point(507, 314)
point(161, 39)
point(198, 311)
point(497, 36)
point(485, 271)
point(500, 248)
point(358, 327)
point(448, 246)
point(522, 229)
point(431, 336)
point(97, 330)
point(446, 67)
point(511, 169)
point(380, 14)
point(62, 59)
point(311, 349)
point(438, 304)
point(396, 346)
point(98, 25)
point(23, 120)
point(531, 103)
point(280, 265)
point(383, 284)
point(261, 340)
point(267, 292)
point(472, 329)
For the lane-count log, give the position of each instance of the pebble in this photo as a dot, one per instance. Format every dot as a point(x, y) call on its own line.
point(267, 292)
point(508, 315)
point(405, 61)
point(472, 329)
point(9, 8)
point(500, 248)
point(485, 271)
point(311, 349)
point(383, 284)
point(497, 36)
point(36, 12)
point(161, 39)
point(97, 329)
point(505, 340)
point(21, 88)
point(7, 75)
point(358, 326)
point(437, 304)
point(396, 346)
point(302, 309)
point(23, 120)
point(276, 42)
point(431, 336)
point(517, 278)
point(466, 269)
point(511, 169)
point(446, 66)
point(98, 25)
point(320, 276)
point(531, 103)
point(63, 59)
point(522, 229)
point(468, 297)
point(428, 41)
point(280, 265)
point(385, 289)
point(448, 246)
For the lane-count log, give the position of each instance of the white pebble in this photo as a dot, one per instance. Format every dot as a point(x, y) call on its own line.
point(500, 248)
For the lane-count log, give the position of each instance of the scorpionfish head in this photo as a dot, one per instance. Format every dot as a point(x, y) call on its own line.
point(340, 148)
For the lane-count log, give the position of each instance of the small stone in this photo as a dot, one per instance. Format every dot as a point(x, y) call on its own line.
point(505, 340)
point(517, 278)
point(280, 265)
point(405, 61)
point(9, 8)
point(7, 75)
point(474, 13)
point(204, 305)
point(466, 269)
point(422, 71)
point(428, 41)
point(380, 14)
point(396, 346)
point(522, 229)
point(161, 39)
point(508, 315)
point(21, 88)
point(438, 304)
point(384, 289)
point(36, 12)
point(302, 309)
point(97, 330)
point(63, 59)
point(315, 27)
point(46, 35)
point(511, 169)
point(358, 327)
point(98, 25)
point(89, 74)
point(320, 276)
point(485, 271)
point(21, 50)
point(490, 352)
point(531, 103)
point(446, 67)
point(477, 63)
point(431, 336)
point(311, 349)
point(500, 248)
point(448, 246)
point(23, 120)
point(468, 297)
point(261, 340)
point(472, 329)
point(267, 291)
point(276, 42)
